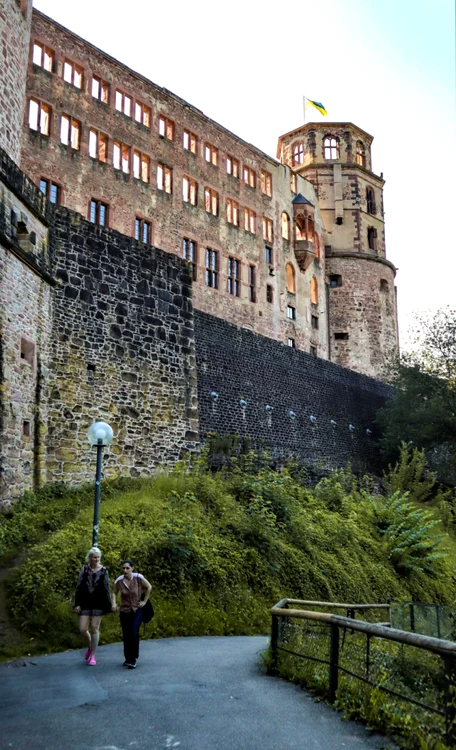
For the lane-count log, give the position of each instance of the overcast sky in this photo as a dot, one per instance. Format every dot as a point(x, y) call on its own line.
point(386, 65)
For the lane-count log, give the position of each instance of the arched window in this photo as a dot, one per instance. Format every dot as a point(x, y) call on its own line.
point(285, 226)
point(314, 290)
point(291, 279)
point(372, 238)
point(360, 153)
point(384, 285)
point(310, 230)
point(331, 148)
point(300, 228)
point(370, 201)
point(317, 246)
point(298, 153)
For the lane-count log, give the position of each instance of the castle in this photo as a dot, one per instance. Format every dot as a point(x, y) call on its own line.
point(151, 260)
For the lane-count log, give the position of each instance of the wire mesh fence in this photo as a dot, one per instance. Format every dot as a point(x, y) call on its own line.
point(436, 620)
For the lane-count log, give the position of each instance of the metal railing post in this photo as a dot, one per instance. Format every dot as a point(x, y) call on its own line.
point(333, 662)
point(437, 617)
point(273, 669)
point(412, 617)
point(450, 700)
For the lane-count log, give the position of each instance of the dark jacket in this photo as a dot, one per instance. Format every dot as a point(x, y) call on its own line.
point(92, 590)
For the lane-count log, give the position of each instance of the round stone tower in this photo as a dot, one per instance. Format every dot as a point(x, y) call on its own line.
point(336, 158)
point(15, 20)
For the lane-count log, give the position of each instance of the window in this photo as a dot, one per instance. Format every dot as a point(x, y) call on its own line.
point(291, 279)
point(313, 350)
point(72, 73)
point(143, 231)
point(27, 351)
point(310, 229)
point(291, 312)
point(268, 254)
point(269, 294)
point(50, 189)
point(252, 283)
point(249, 220)
point(300, 226)
point(98, 145)
point(123, 103)
point(141, 166)
point(285, 226)
point(211, 154)
point(268, 229)
point(100, 89)
point(294, 183)
point(39, 117)
point(164, 178)
point(298, 153)
point(317, 245)
point(232, 212)
point(249, 177)
point(360, 153)
point(189, 252)
point(211, 268)
point(370, 201)
point(266, 183)
point(189, 191)
point(43, 56)
point(384, 285)
point(121, 157)
point(314, 322)
point(142, 114)
point(234, 277)
point(372, 238)
point(331, 148)
point(70, 131)
point(335, 281)
point(98, 213)
point(166, 128)
point(314, 291)
point(232, 166)
point(341, 336)
point(211, 201)
point(26, 428)
point(190, 141)
point(291, 343)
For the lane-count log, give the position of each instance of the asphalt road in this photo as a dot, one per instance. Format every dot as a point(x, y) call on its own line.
point(186, 694)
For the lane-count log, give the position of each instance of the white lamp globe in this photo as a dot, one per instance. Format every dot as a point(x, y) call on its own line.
point(100, 433)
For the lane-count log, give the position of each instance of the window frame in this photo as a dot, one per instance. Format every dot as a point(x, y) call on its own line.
point(252, 283)
point(145, 113)
point(233, 276)
point(212, 152)
point(98, 205)
point(232, 212)
point(192, 190)
point(123, 148)
point(143, 162)
point(211, 268)
point(291, 312)
point(100, 139)
point(76, 69)
point(44, 51)
point(250, 220)
point(249, 177)
point(166, 128)
point(188, 242)
point(48, 192)
point(192, 141)
point(74, 127)
point(329, 148)
point(211, 201)
point(103, 88)
point(268, 229)
point(266, 183)
point(232, 166)
point(297, 154)
point(166, 179)
point(41, 107)
point(124, 97)
point(141, 223)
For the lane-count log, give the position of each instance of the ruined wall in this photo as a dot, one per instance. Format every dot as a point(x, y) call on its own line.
point(236, 364)
point(15, 21)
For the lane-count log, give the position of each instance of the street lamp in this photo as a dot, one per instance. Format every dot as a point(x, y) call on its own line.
point(99, 434)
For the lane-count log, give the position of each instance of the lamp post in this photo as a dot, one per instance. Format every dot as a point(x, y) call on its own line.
point(99, 434)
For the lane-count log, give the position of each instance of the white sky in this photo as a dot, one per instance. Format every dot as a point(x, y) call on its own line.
point(386, 65)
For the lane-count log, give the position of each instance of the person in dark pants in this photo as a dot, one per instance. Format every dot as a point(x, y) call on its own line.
point(131, 586)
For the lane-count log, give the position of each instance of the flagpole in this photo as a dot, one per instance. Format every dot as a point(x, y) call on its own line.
point(304, 108)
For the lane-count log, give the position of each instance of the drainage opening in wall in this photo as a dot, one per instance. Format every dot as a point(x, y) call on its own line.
point(26, 428)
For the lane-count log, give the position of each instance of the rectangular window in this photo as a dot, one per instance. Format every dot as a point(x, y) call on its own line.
point(313, 350)
point(234, 277)
point(252, 283)
point(166, 128)
point(43, 56)
point(293, 183)
point(98, 145)
point(164, 178)
point(232, 212)
point(211, 268)
point(232, 166)
point(268, 254)
point(70, 132)
point(249, 177)
point(314, 322)
point(211, 201)
point(211, 154)
point(292, 343)
point(123, 103)
point(142, 114)
point(39, 117)
point(269, 294)
point(249, 220)
point(190, 141)
point(50, 189)
point(121, 157)
point(189, 191)
point(98, 213)
point(100, 89)
point(189, 252)
point(72, 73)
point(143, 231)
point(266, 183)
point(341, 336)
point(268, 229)
point(291, 312)
point(141, 166)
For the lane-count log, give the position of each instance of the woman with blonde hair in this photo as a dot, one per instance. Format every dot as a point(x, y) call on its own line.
point(92, 601)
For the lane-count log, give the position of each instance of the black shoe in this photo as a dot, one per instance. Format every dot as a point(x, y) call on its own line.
point(132, 664)
point(125, 664)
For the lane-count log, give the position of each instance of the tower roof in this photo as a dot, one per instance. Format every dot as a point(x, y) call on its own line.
point(301, 199)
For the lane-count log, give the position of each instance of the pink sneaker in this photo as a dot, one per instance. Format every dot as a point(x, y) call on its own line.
point(88, 654)
point(92, 661)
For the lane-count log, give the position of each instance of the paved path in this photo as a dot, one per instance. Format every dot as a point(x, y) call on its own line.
point(186, 694)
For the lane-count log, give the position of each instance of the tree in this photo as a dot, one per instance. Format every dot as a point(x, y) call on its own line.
point(422, 410)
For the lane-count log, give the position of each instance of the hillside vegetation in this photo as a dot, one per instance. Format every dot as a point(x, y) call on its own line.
point(220, 548)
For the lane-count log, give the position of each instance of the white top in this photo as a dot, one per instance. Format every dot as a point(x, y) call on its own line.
point(125, 580)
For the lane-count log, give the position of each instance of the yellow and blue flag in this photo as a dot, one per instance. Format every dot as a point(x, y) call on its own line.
point(317, 105)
